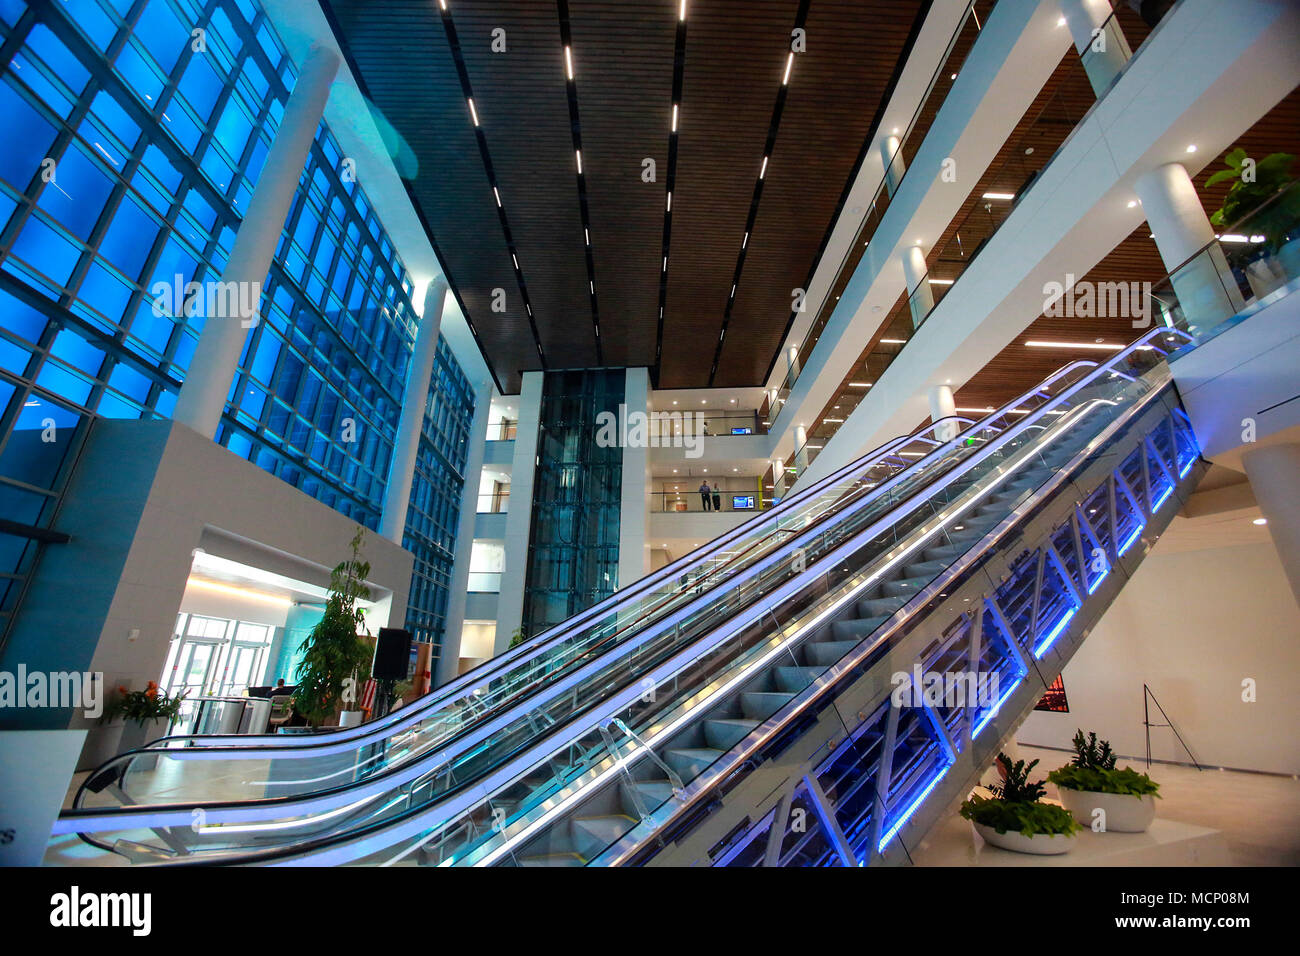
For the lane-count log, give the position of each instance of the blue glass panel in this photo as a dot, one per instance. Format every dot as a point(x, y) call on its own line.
point(201, 86)
point(129, 238)
point(60, 381)
point(157, 163)
point(77, 194)
point(20, 318)
point(76, 351)
point(177, 122)
point(13, 358)
point(58, 58)
point(130, 382)
point(162, 34)
point(151, 329)
point(140, 77)
point(104, 292)
point(11, 10)
point(48, 251)
point(27, 138)
point(91, 18)
point(233, 130)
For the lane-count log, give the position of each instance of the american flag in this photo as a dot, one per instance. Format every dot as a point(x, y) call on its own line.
point(368, 695)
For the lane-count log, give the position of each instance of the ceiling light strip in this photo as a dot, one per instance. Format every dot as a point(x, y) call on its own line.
point(679, 65)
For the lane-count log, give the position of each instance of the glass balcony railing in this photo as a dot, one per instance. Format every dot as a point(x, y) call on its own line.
point(494, 502)
point(485, 582)
point(692, 500)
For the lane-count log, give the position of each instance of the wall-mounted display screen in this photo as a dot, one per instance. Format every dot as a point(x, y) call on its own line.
point(742, 502)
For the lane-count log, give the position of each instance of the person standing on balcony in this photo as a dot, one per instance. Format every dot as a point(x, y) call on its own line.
point(717, 498)
point(704, 494)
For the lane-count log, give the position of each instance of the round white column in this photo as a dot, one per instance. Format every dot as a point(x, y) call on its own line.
point(800, 450)
point(1104, 50)
point(1204, 285)
point(202, 398)
point(920, 297)
point(1274, 473)
point(943, 405)
point(892, 156)
point(406, 446)
point(791, 364)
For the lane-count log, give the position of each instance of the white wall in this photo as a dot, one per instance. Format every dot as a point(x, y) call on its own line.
point(1193, 625)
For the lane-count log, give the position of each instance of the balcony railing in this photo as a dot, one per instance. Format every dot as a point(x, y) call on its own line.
point(692, 501)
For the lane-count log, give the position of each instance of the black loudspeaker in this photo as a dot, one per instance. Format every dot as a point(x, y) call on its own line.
point(392, 654)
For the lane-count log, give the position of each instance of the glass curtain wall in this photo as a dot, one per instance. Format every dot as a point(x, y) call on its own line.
point(573, 546)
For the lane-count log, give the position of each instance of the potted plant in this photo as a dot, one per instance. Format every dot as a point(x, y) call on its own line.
point(1099, 795)
point(336, 658)
point(1252, 188)
point(145, 715)
point(1014, 818)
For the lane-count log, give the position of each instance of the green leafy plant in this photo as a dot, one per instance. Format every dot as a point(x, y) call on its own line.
point(517, 637)
point(1015, 804)
point(1252, 188)
point(334, 653)
point(142, 706)
point(1093, 769)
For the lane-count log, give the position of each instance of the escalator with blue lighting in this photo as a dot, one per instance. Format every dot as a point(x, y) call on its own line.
point(736, 708)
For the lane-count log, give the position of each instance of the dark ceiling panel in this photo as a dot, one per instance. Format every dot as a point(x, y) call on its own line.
point(624, 73)
point(522, 103)
point(735, 56)
point(834, 94)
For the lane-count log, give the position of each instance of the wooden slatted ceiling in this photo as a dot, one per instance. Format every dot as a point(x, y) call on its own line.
point(834, 94)
point(623, 57)
point(624, 73)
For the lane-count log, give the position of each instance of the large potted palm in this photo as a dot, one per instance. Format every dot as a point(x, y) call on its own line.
point(1262, 201)
point(336, 654)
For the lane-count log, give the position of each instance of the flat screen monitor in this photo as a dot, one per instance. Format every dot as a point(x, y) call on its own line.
point(742, 502)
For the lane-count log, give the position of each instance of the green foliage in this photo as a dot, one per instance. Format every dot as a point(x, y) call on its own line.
point(517, 637)
point(1253, 188)
point(1125, 781)
point(1015, 804)
point(1093, 769)
point(1015, 787)
point(334, 653)
point(1088, 753)
point(141, 706)
point(1026, 818)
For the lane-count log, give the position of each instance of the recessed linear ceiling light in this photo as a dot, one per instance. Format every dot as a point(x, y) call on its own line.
point(859, 384)
point(568, 62)
point(473, 113)
point(1260, 521)
point(839, 421)
point(744, 242)
point(443, 4)
point(763, 172)
point(682, 15)
point(665, 263)
point(789, 62)
point(1006, 196)
point(670, 200)
point(497, 194)
point(578, 153)
point(941, 281)
point(586, 235)
point(516, 261)
point(674, 118)
point(893, 341)
point(1102, 346)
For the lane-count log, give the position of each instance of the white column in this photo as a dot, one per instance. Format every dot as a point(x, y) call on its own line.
point(920, 297)
point(634, 500)
point(800, 450)
point(791, 364)
point(892, 156)
point(207, 384)
point(519, 519)
point(778, 478)
point(1204, 286)
point(406, 446)
point(1274, 473)
point(454, 623)
point(943, 405)
point(1103, 51)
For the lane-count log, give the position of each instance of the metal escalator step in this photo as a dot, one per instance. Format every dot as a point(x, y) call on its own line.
point(904, 587)
point(553, 859)
point(690, 762)
point(795, 679)
point(762, 704)
point(926, 569)
point(854, 630)
point(725, 732)
point(591, 835)
point(876, 607)
point(826, 653)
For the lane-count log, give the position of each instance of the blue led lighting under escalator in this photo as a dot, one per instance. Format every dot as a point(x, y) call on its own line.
point(993, 711)
point(898, 825)
point(1054, 633)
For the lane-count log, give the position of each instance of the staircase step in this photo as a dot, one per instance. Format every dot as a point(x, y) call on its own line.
point(856, 629)
point(826, 653)
point(690, 762)
point(926, 569)
point(725, 732)
point(762, 704)
point(878, 607)
point(592, 834)
point(904, 587)
point(795, 679)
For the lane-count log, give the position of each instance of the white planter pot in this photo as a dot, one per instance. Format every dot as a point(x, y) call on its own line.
point(1040, 844)
point(1124, 812)
point(102, 745)
point(351, 718)
point(135, 736)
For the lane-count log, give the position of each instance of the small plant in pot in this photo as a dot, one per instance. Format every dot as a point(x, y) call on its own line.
point(1103, 797)
point(336, 658)
point(146, 716)
point(1015, 818)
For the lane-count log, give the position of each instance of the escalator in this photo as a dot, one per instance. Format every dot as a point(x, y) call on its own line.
point(739, 711)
